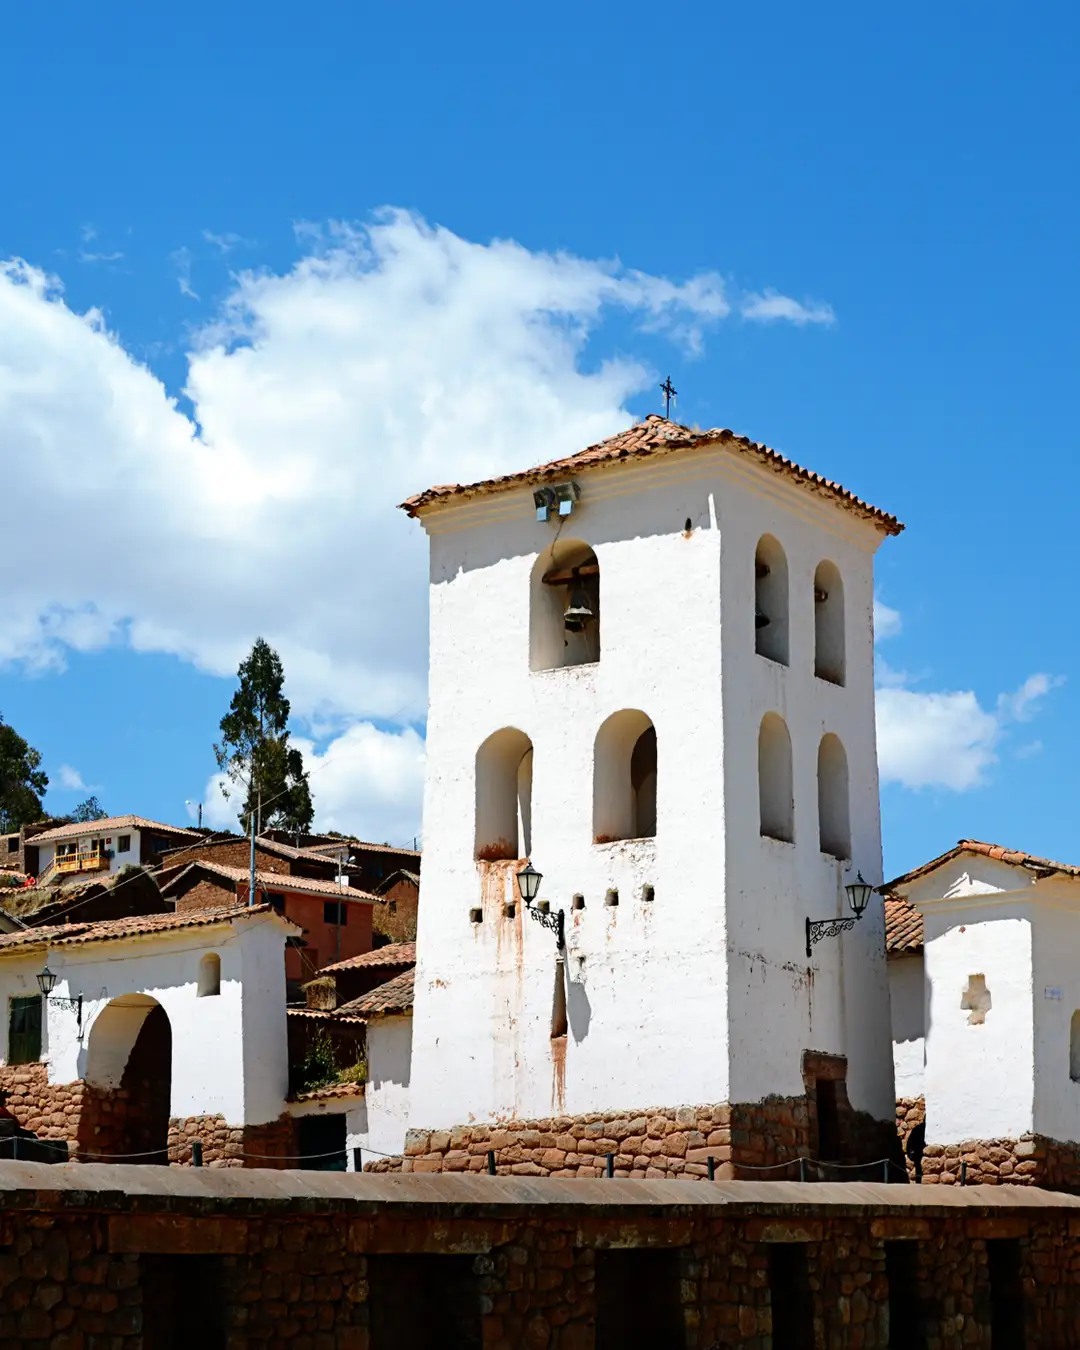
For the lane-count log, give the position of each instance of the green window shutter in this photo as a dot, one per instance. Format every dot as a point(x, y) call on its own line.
point(24, 1030)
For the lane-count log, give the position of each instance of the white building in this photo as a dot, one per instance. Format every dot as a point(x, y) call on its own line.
point(184, 1012)
point(662, 695)
point(101, 846)
point(1000, 1004)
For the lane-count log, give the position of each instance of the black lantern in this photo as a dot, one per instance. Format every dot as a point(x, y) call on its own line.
point(528, 880)
point(46, 981)
point(858, 894)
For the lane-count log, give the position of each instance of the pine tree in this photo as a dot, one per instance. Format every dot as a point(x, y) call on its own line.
point(255, 753)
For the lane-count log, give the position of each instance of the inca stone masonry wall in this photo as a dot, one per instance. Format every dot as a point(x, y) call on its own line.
point(325, 1263)
point(655, 1143)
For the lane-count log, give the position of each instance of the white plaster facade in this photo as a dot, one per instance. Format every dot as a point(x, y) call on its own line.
point(702, 993)
point(94, 835)
point(907, 999)
point(379, 1126)
point(229, 1054)
point(1002, 988)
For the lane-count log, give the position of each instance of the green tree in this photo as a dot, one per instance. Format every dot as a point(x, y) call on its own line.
point(91, 809)
point(254, 751)
point(22, 781)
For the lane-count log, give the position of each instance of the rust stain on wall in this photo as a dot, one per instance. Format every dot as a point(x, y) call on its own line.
point(558, 1074)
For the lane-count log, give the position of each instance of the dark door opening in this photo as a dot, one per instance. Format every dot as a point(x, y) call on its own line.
point(183, 1303)
point(322, 1143)
point(828, 1120)
point(791, 1298)
point(907, 1327)
point(1006, 1294)
point(424, 1303)
point(637, 1299)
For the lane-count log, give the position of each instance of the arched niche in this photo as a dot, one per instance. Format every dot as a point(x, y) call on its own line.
point(771, 600)
point(564, 607)
point(129, 1048)
point(504, 796)
point(829, 653)
point(624, 778)
point(834, 819)
point(776, 799)
point(209, 982)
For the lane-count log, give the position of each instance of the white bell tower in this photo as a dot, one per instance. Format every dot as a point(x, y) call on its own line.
point(651, 676)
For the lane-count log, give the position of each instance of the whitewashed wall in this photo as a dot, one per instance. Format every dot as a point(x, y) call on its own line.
point(907, 998)
point(380, 1125)
point(229, 1053)
point(704, 994)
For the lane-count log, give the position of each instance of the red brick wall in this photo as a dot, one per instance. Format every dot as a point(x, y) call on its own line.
point(322, 938)
point(232, 853)
point(209, 893)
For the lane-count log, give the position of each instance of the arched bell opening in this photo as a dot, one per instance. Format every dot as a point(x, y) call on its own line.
point(564, 619)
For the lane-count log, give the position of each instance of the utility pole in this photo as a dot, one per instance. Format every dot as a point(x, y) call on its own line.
point(251, 870)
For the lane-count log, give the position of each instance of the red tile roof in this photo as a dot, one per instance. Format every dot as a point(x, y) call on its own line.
point(279, 882)
point(657, 436)
point(998, 852)
point(145, 925)
point(110, 825)
point(395, 996)
point(334, 1090)
point(394, 954)
point(903, 927)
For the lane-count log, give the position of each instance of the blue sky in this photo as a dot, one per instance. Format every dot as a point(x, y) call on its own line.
point(206, 182)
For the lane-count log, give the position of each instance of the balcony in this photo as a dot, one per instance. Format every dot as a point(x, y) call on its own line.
point(85, 860)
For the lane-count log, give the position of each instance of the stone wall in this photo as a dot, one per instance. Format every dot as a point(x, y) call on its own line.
point(759, 1140)
point(224, 1145)
point(1032, 1160)
point(315, 1262)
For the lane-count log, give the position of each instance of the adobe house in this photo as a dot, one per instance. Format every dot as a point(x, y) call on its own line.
point(271, 855)
point(333, 922)
point(343, 981)
point(651, 809)
point(98, 846)
point(395, 917)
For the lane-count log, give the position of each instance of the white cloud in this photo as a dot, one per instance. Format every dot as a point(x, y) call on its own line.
point(367, 782)
point(770, 307)
point(887, 621)
point(947, 739)
point(181, 260)
point(69, 779)
point(390, 357)
point(225, 243)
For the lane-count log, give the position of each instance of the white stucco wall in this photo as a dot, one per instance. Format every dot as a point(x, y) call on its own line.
point(980, 1076)
point(1056, 997)
point(907, 998)
point(229, 1053)
point(704, 994)
point(379, 1125)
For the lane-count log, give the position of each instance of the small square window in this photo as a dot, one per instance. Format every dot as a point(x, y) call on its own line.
point(13, 844)
point(276, 901)
point(334, 911)
point(393, 906)
point(123, 843)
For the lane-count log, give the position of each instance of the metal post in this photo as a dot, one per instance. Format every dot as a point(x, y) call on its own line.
point(251, 868)
point(357, 1160)
point(885, 1170)
point(802, 1169)
point(963, 1174)
point(491, 1162)
point(196, 1153)
point(611, 1164)
point(710, 1163)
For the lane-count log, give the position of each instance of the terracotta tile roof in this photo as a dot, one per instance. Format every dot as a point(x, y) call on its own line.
point(996, 851)
point(145, 925)
point(657, 436)
point(327, 1014)
point(395, 996)
point(397, 876)
point(279, 882)
point(359, 845)
point(903, 926)
point(110, 824)
point(334, 1090)
point(394, 954)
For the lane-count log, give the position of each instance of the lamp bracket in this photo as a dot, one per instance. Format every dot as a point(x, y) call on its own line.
point(71, 1004)
point(816, 929)
point(556, 922)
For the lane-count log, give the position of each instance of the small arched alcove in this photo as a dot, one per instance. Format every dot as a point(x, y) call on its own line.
point(504, 796)
point(834, 823)
point(624, 778)
point(1074, 1047)
point(130, 1047)
point(209, 982)
point(829, 654)
point(564, 607)
point(776, 798)
point(771, 600)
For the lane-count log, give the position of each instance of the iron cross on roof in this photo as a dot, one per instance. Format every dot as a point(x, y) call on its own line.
point(669, 391)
